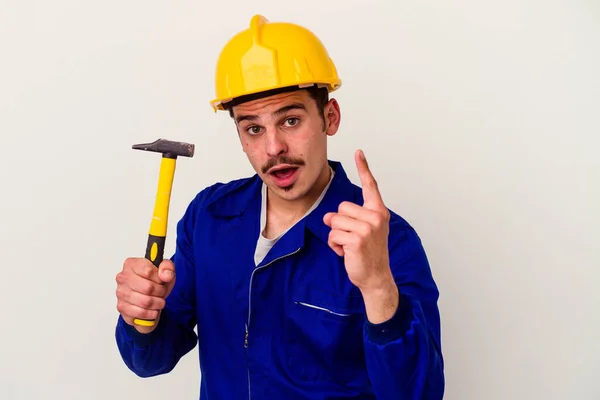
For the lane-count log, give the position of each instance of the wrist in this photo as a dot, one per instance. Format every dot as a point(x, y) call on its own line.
point(381, 301)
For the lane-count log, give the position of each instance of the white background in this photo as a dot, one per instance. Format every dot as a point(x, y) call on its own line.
point(480, 119)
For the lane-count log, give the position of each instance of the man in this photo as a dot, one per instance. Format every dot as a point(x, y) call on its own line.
point(301, 284)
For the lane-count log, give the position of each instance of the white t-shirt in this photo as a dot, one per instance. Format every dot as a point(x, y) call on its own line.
point(264, 245)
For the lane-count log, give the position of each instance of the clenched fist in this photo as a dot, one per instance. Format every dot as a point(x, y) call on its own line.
point(142, 289)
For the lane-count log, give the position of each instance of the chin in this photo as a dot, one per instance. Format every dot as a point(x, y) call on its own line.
point(289, 193)
point(289, 188)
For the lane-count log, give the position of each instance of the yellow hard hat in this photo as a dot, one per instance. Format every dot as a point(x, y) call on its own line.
point(270, 56)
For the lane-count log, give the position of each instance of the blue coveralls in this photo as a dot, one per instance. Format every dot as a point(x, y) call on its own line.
point(293, 327)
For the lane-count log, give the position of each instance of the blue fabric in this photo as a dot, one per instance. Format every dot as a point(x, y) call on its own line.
point(296, 349)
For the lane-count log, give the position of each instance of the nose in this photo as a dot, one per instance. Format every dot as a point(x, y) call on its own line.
point(275, 142)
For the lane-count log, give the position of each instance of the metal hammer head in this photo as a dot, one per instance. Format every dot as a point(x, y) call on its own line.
point(168, 148)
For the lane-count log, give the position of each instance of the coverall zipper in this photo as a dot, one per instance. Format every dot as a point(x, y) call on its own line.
point(250, 307)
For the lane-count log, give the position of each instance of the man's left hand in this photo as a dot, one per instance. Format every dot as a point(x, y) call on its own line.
point(360, 235)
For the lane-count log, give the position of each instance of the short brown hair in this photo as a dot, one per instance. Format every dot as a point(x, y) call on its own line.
point(319, 94)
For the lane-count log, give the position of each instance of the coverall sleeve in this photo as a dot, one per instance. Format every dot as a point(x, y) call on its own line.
point(159, 351)
point(403, 355)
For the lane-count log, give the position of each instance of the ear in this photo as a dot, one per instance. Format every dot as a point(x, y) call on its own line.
point(332, 117)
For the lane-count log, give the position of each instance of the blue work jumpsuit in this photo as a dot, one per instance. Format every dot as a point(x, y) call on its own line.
point(293, 327)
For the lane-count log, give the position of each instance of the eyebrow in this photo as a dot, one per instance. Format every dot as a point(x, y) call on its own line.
point(281, 111)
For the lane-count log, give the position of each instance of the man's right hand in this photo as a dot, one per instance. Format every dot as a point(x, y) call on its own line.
point(142, 289)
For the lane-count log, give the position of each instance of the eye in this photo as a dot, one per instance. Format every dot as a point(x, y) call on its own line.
point(253, 130)
point(293, 121)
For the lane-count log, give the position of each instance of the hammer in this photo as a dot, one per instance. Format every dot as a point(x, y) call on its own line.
point(158, 227)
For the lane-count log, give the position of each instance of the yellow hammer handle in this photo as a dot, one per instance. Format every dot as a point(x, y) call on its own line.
point(155, 246)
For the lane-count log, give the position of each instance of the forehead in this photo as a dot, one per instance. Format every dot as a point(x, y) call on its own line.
point(268, 105)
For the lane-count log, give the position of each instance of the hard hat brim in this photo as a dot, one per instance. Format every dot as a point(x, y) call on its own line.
point(226, 103)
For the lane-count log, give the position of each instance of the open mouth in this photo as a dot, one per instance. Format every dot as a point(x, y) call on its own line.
point(284, 173)
point(285, 176)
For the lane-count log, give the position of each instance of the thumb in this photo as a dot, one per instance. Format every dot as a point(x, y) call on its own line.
point(327, 218)
point(166, 273)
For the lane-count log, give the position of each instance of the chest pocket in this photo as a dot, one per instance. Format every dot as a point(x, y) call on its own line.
point(324, 331)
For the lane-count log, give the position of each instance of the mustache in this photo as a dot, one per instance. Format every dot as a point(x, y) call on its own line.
point(281, 160)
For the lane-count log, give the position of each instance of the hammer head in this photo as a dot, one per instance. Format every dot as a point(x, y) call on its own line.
point(168, 148)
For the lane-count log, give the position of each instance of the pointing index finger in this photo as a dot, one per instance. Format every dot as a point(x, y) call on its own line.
point(371, 194)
